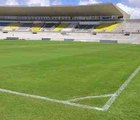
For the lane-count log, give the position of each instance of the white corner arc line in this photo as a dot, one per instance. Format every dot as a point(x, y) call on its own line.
point(50, 99)
point(90, 97)
point(120, 90)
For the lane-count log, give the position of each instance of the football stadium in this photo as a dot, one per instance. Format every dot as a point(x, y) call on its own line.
point(90, 23)
point(69, 63)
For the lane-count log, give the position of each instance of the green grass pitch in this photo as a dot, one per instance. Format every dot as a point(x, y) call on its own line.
point(64, 71)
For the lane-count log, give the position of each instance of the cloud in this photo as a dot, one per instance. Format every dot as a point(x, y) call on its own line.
point(86, 2)
point(11, 2)
point(32, 2)
point(134, 2)
point(133, 11)
point(56, 2)
point(37, 2)
point(43, 2)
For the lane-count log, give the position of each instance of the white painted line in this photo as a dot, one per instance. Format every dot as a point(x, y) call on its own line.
point(70, 102)
point(120, 90)
point(50, 99)
point(90, 97)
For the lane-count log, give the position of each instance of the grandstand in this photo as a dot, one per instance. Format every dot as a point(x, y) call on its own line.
point(80, 23)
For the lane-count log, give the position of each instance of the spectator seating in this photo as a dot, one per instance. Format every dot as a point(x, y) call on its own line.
point(11, 27)
point(37, 27)
point(60, 27)
point(50, 26)
point(107, 27)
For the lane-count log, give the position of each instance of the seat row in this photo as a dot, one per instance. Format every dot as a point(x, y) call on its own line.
point(56, 27)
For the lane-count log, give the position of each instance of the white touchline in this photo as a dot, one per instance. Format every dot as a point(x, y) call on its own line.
point(50, 99)
point(120, 90)
point(70, 102)
point(89, 97)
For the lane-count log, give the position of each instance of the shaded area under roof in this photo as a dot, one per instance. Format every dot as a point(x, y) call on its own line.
point(83, 10)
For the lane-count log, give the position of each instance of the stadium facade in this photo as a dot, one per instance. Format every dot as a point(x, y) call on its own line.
point(98, 22)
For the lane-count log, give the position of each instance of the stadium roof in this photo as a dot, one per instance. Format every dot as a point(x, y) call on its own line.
point(82, 10)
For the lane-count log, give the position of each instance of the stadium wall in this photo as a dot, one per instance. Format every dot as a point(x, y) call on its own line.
point(82, 37)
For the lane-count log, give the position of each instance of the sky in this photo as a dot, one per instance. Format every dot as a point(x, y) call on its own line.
point(130, 6)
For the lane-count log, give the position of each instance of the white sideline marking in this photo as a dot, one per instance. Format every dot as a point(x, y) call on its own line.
point(70, 102)
point(90, 97)
point(50, 99)
point(120, 90)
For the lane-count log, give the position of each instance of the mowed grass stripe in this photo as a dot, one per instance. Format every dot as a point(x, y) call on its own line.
point(78, 72)
point(66, 70)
